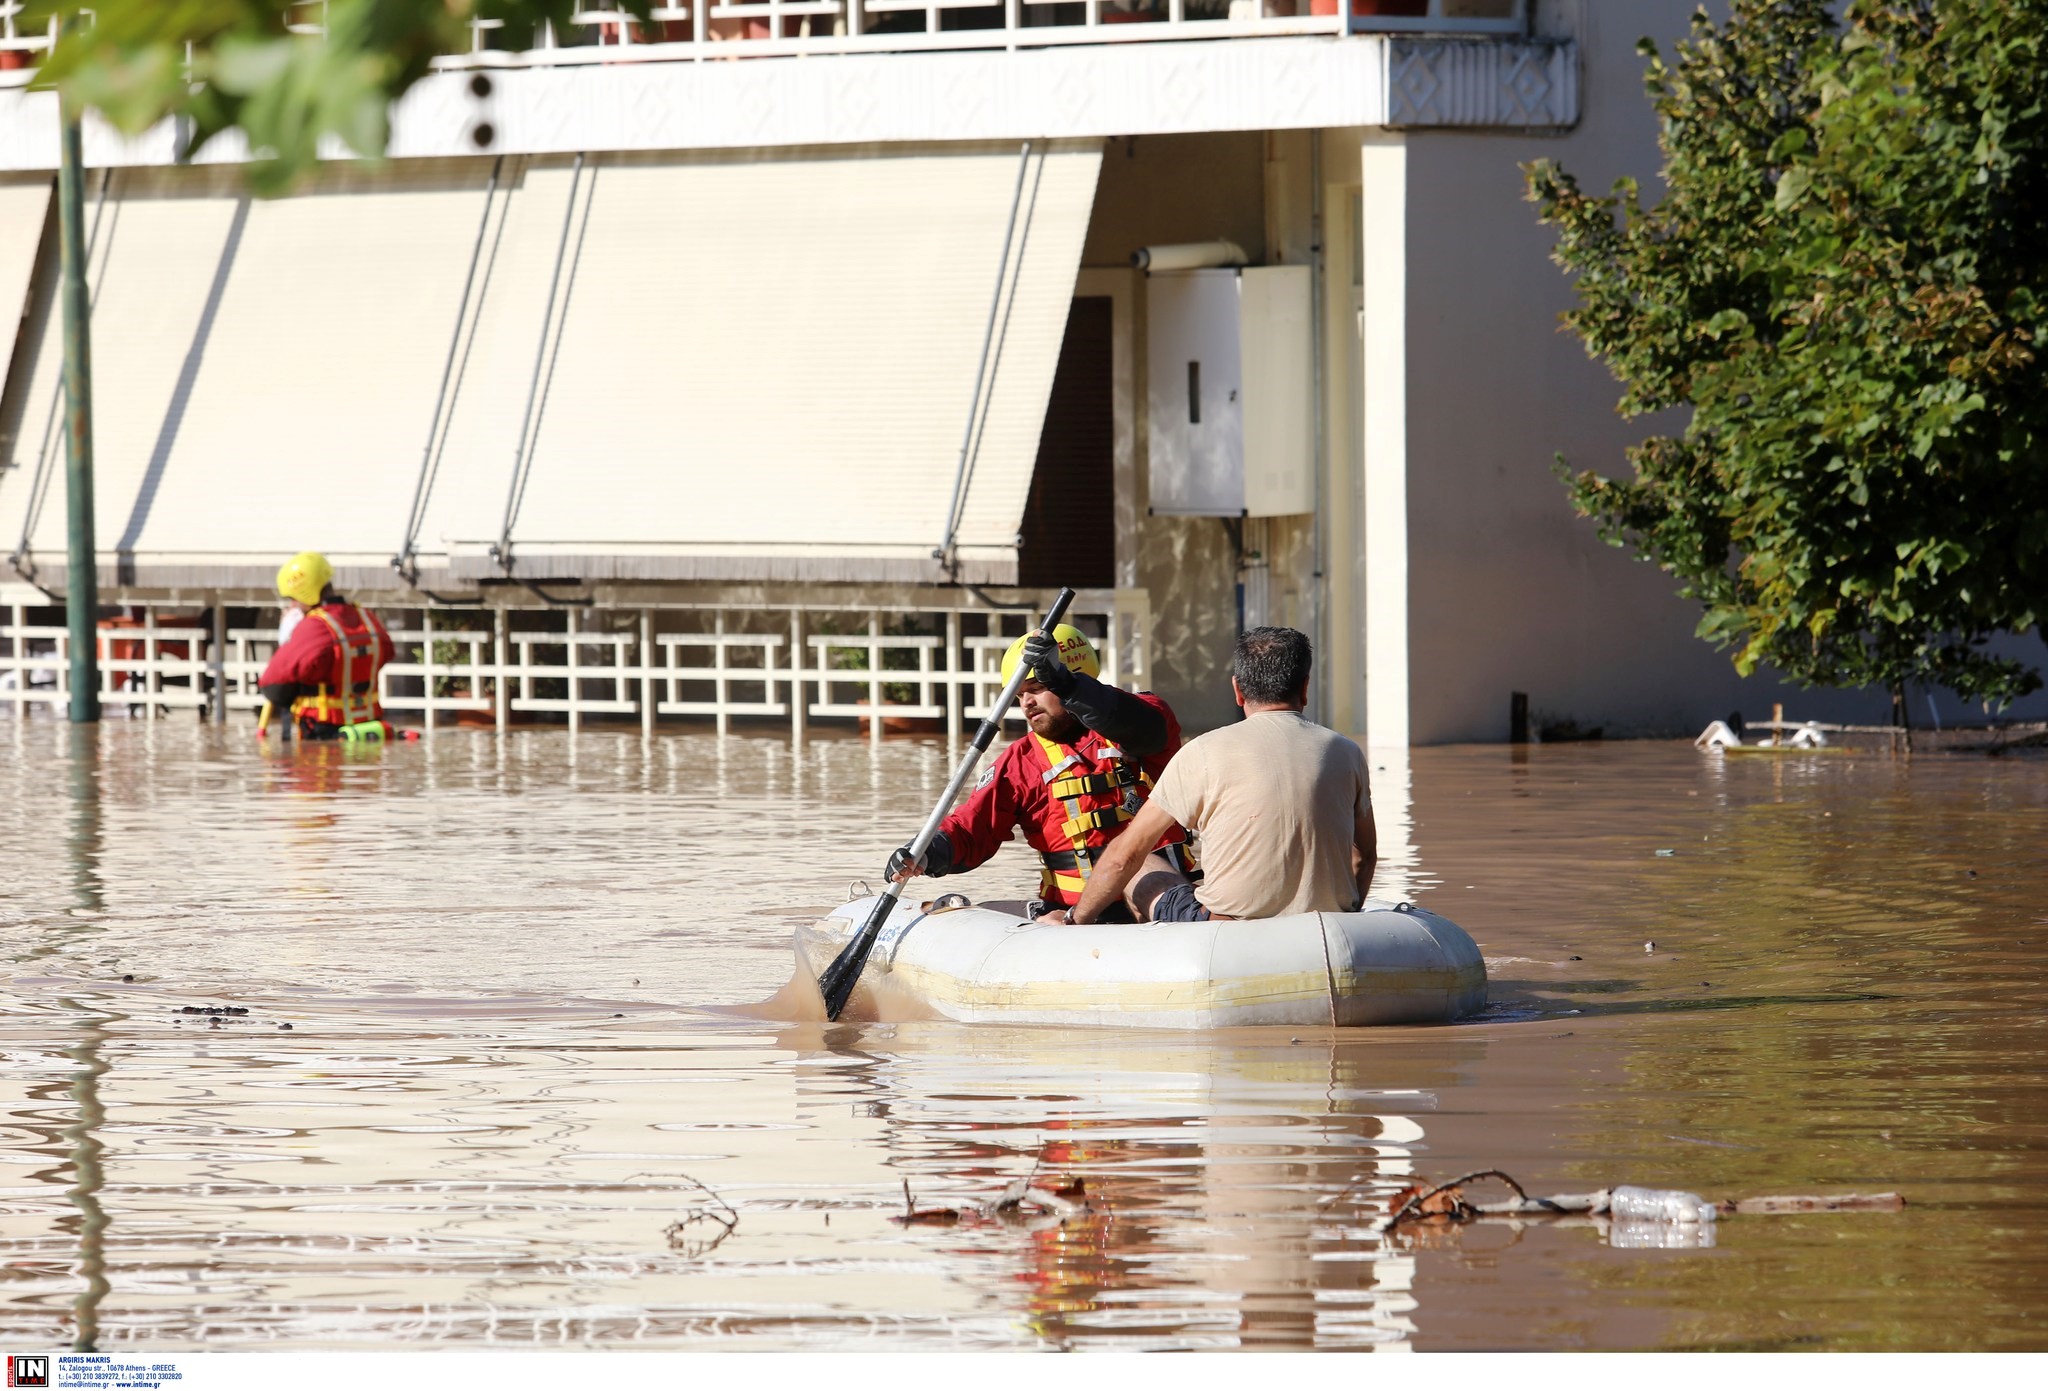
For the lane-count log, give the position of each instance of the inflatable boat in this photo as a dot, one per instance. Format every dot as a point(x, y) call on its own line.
point(1385, 964)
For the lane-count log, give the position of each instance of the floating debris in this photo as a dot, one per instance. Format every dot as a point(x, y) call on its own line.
point(1624, 1203)
point(702, 1228)
point(1035, 1206)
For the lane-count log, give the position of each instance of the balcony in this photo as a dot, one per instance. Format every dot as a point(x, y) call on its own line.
point(729, 29)
point(784, 28)
point(1100, 68)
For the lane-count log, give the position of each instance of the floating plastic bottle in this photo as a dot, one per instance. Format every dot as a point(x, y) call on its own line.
point(1659, 1219)
point(1670, 1206)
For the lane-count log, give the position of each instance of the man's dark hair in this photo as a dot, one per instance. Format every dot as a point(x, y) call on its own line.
point(1271, 665)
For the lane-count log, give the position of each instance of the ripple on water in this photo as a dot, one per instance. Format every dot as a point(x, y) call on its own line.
point(510, 1095)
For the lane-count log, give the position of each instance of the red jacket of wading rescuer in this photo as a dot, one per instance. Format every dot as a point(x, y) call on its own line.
point(1101, 784)
point(331, 652)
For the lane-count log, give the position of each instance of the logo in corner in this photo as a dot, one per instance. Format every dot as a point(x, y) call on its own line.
point(28, 1371)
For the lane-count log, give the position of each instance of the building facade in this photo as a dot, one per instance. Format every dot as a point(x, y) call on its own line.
point(777, 359)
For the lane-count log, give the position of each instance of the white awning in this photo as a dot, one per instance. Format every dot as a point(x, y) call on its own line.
point(755, 367)
point(764, 367)
point(24, 206)
point(264, 373)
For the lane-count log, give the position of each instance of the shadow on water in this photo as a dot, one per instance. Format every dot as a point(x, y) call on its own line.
point(89, 1225)
point(1235, 1181)
point(88, 1177)
point(1513, 1000)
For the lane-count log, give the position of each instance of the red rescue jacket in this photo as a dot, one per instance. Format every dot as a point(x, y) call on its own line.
point(337, 649)
point(1071, 800)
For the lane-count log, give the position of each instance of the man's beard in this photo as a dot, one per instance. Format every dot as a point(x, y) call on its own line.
point(1062, 728)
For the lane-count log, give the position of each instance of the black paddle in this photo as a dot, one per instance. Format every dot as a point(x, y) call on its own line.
point(837, 982)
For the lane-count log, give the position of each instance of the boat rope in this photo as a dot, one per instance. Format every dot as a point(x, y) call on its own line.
point(977, 416)
point(39, 484)
point(537, 389)
point(444, 399)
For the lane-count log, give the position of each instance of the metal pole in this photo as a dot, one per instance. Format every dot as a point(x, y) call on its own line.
point(82, 586)
point(647, 691)
point(501, 688)
point(427, 666)
point(217, 667)
point(1319, 583)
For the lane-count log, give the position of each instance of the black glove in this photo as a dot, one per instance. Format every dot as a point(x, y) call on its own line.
point(938, 858)
point(1041, 657)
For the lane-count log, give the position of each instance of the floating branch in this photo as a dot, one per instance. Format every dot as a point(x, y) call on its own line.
point(1036, 1206)
point(701, 1228)
point(1446, 1202)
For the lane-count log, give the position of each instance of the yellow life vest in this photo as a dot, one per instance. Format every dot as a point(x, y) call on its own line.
point(1099, 791)
point(355, 699)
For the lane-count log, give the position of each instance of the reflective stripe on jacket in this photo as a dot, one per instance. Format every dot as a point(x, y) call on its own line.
point(346, 694)
point(1070, 800)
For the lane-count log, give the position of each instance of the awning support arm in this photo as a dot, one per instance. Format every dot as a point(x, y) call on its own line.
point(522, 459)
point(39, 483)
point(437, 439)
point(944, 552)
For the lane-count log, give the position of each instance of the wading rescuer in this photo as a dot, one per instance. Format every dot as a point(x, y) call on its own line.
point(1073, 783)
point(325, 674)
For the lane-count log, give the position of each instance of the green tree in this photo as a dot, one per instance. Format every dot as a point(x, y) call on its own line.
point(287, 73)
point(1846, 281)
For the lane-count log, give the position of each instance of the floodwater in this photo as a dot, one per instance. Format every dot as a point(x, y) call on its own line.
point(506, 1113)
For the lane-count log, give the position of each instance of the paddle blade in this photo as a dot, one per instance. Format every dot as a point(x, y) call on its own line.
point(836, 981)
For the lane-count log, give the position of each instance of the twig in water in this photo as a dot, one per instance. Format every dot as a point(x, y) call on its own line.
point(1458, 1210)
point(692, 1234)
point(1052, 1207)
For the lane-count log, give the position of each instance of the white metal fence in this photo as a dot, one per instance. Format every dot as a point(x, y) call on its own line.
point(920, 667)
point(722, 29)
point(718, 29)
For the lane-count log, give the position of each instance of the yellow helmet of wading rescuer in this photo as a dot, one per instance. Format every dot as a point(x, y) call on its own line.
point(304, 576)
point(1075, 650)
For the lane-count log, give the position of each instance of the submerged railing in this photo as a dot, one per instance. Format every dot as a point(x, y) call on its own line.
point(921, 667)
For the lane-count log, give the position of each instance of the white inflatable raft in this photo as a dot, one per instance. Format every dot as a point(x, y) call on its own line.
point(1386, 964)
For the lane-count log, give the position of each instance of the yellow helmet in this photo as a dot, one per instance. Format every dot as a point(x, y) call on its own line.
point(304, 576)
point(1075, 650)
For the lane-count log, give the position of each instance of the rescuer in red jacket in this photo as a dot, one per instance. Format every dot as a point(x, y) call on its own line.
point(1083, 770)
point(325, 674)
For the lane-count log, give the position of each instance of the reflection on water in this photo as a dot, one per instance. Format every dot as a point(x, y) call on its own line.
point(505, 1078)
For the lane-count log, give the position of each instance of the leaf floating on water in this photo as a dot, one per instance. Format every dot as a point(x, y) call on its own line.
point(1421, 1203)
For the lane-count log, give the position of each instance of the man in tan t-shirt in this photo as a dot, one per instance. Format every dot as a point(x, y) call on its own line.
point(1280, 804)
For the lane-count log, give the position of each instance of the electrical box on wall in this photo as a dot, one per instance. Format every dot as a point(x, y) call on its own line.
point(1231, 392)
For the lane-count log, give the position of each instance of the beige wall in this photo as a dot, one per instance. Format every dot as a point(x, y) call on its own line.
point(1173, 188)
point(1507, 589)
point(1453, 570)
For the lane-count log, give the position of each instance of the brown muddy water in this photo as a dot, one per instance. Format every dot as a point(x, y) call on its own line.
point(505, 1093)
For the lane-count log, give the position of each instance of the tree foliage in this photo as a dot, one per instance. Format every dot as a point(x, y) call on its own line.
point(1846, 281)
point(287, 73)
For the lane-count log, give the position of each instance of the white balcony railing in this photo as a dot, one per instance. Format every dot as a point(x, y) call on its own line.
point(720, 29)
point(22, 44)
point(922, 668)
point(724, 29)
